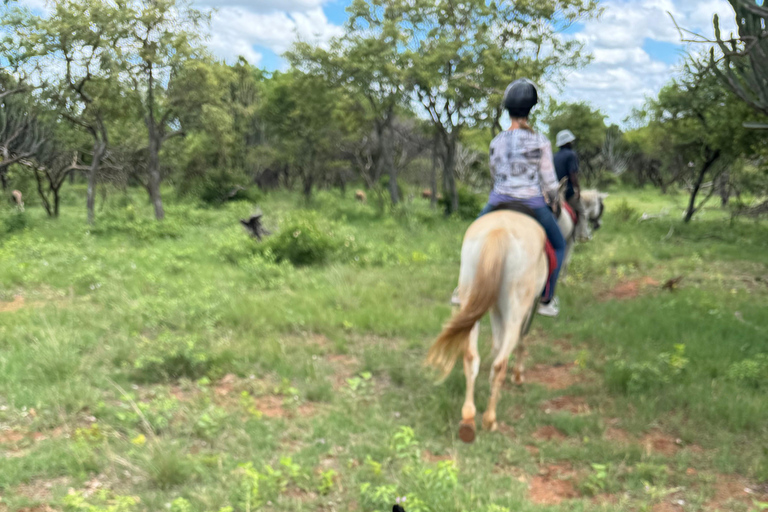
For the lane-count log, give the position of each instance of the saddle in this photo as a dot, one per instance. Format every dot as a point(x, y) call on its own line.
point(548, 249)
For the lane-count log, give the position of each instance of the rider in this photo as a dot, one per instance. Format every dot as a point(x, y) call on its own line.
point(567, 166)
point(523, 171)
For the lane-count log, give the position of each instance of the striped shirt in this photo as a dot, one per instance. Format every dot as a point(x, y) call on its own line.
point(522, 166)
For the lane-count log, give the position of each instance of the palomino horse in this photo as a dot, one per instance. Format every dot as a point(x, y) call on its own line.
point(504, 269)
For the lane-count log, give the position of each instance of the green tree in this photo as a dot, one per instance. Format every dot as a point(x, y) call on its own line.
point(459, 57)
point(586, 123)
point(701, 125)
point(83, 37)
point(367, 62)
point(160, 36)
point(303, 115)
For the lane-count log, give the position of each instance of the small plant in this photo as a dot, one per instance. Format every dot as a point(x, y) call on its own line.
point(210, 423)
point(181, 505)
point(168, 467)
point(359, 384)
point(171, 357)
point(597, 481)
point(750, 372)
point(623, 211)
point(635, 377)
point(327, 482)
point(101, 501)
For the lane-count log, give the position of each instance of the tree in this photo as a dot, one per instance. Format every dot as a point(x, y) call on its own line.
point(84, 36)
point(745, 58)
point(161, 35)
point(587, 124)
point(702, 123)
point(21, 136)
point(366, 61)
point(303, 115)
point(459, 57)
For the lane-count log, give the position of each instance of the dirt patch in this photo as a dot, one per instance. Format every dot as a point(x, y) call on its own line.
point(16, 304)
point(302, 495)
point(666, 507)
point(571, 404)
point(532, 450)
point(41, 490)
point(11, 437)
point(548, 433)
point(630, 289)
point(553, 485)
point(733, 488)
point(554, 377)
point(618, 435)
point(344, 367)
point(658, 442)
point(226, 385)
point(272, 406)
point(431, 457)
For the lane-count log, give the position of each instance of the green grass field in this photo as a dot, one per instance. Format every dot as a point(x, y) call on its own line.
point(184, 367)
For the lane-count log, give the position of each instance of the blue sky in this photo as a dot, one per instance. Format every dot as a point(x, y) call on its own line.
point(635, 45)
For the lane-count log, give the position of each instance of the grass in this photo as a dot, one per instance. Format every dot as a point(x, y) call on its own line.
point(183, 366)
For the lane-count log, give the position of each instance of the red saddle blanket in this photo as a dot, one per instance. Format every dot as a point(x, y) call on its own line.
point(571, 212)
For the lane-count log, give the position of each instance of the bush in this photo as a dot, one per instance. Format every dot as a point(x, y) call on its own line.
point(750, 372)
point(14, 221)
point(631, 377)
point(623, 211)
point(470, 203)
point(303, 240)
point(170, 357)
point(216, 185)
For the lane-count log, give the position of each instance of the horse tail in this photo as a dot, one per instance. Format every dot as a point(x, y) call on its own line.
point(454, 339)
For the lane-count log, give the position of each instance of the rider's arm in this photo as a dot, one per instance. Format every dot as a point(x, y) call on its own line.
point(573, 174)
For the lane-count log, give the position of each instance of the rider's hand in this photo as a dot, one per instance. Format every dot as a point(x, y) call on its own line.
point(556, 209)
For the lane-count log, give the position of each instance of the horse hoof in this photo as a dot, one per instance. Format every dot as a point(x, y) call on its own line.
point(490, 426)
point(519, 380)
point(467, 432)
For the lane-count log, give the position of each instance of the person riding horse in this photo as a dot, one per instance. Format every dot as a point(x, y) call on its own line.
point(567, 167)
point(523, 171)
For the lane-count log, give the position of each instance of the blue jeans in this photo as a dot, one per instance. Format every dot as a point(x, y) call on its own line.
point(547, 220)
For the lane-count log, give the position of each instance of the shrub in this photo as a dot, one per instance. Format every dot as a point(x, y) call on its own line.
point(171, 357)
point(303, 240)
point(14, 221)
point(750, 372)
point(630, 377)
point(470, 203)
point(623, 211)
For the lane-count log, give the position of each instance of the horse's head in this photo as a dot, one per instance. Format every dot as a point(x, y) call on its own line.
point(594, 207)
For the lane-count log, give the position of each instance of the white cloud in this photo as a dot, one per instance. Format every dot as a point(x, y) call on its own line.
point(622, 73)
point(237, 30)
point(265, 5)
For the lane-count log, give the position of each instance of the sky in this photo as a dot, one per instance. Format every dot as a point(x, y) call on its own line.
point(635, 45)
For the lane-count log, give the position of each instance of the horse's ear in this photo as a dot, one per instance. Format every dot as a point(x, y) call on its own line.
point(562, 184)
point(604, 195)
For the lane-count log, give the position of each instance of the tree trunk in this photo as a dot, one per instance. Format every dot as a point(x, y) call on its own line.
point(724, 189)
point(153, 167)
point(56, 201)
point(3, 180)
point(449, 172)
point(41, 192)
point(99, 148)
point(308, 182)
point(433, 180)
point(711, 159)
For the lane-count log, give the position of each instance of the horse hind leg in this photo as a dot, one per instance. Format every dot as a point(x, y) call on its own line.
point(467, 427)
point(519, 367)
point(499, 370)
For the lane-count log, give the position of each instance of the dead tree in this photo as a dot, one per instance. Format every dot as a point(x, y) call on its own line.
point(745, 58)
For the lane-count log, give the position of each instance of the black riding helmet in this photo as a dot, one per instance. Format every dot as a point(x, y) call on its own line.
point(520, 97)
